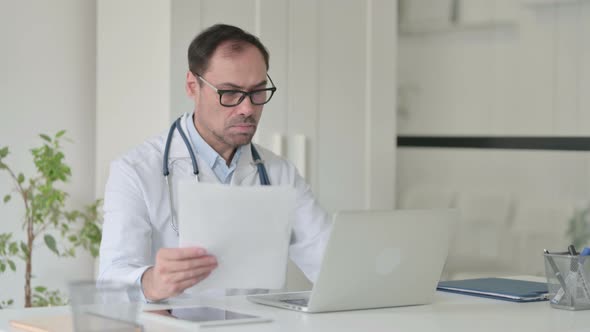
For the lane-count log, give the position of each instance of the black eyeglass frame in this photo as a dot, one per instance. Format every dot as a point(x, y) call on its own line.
point(244, 94)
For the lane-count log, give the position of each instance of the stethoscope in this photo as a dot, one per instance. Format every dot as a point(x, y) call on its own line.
point(176, 126)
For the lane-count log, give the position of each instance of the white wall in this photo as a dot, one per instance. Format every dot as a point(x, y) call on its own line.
point(133, 74)
point(47, 83)
point(528, 77)
point(513, 69)
point(524, 76)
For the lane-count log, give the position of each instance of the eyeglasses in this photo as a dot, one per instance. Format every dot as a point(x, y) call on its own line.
point(231, 98)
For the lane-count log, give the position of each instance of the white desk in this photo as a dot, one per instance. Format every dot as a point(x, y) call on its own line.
point(449, 312)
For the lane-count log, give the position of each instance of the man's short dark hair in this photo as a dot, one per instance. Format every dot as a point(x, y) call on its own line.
point(204, 45)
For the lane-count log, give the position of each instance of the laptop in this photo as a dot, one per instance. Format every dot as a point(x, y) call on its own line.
point(376, 259)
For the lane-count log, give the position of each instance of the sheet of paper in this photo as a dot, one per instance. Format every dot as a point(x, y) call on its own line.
point(248, 229)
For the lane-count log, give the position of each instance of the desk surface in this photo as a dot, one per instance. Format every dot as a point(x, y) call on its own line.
point(448, 312)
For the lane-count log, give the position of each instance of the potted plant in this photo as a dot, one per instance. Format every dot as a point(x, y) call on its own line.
point(45, 214)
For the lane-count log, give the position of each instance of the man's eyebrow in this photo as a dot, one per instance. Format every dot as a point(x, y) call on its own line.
point(238, 87)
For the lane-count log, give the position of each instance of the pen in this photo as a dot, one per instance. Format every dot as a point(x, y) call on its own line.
point(573, 273)
point(572, 250)
point(585, 252)
point(563, 290)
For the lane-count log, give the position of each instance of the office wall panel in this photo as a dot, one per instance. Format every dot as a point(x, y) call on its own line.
point(303, 72)
point(534, 115)
point(532, 70)
point(240, 13)
point(584, 71)
point(341, 102)
point(184, 26)
point(380, 103)
point(540, 78)
point(568, 35)
point(424, 101)
point(271, 25)
point(505, 85)
point(133, 77)
point(471, 101)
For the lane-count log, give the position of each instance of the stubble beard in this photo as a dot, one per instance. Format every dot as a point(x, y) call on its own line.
point(237, 140)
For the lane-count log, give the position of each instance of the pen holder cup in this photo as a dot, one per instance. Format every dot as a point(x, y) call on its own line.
point(568, 281)
point(108, 307)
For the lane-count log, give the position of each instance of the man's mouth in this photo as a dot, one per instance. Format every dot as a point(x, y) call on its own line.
point(244, 127)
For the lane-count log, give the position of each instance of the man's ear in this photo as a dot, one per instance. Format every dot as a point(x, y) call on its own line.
point(191, 86)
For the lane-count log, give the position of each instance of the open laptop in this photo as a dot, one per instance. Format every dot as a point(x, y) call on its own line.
point(376, 259)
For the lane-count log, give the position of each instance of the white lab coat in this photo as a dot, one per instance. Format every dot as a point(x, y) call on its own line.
point(137, 208)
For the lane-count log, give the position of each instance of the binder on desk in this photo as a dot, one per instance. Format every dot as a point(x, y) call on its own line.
point(498, 288)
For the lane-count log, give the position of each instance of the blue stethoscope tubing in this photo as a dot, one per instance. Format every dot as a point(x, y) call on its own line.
point(262, 174)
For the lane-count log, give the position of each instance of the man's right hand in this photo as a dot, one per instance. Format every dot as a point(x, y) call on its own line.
point(176, 269)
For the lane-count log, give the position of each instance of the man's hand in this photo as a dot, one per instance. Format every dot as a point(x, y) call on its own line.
point(176, 269)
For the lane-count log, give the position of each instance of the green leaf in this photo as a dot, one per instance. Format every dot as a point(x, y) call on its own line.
point(2, 267)
point(51, 244)
point(12, 265)
point(13, 248)
point(60, 133)
point(45, 137)
point(10, 302)
point(7, 198)
point(21, 178)
point(40, 289)
point(24, 248)
point(73, 238)
point(3, 152)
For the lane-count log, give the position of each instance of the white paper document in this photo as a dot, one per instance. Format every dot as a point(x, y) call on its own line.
point(247, 229)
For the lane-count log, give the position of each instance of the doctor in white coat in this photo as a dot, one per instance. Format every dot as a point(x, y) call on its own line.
point(229, 84)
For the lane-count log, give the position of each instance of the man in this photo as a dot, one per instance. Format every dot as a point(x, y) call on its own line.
point(229, 84)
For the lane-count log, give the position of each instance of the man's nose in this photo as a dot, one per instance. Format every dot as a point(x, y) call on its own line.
point(246, 107)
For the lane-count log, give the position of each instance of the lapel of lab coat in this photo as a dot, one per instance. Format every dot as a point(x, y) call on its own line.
point(246, 173)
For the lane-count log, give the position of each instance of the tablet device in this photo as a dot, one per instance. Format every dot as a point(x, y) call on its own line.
point(201, 316)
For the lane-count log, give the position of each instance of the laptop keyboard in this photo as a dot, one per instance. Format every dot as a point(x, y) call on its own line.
point(299, 302)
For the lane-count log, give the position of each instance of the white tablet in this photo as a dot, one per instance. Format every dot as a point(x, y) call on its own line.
point(201, 316)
